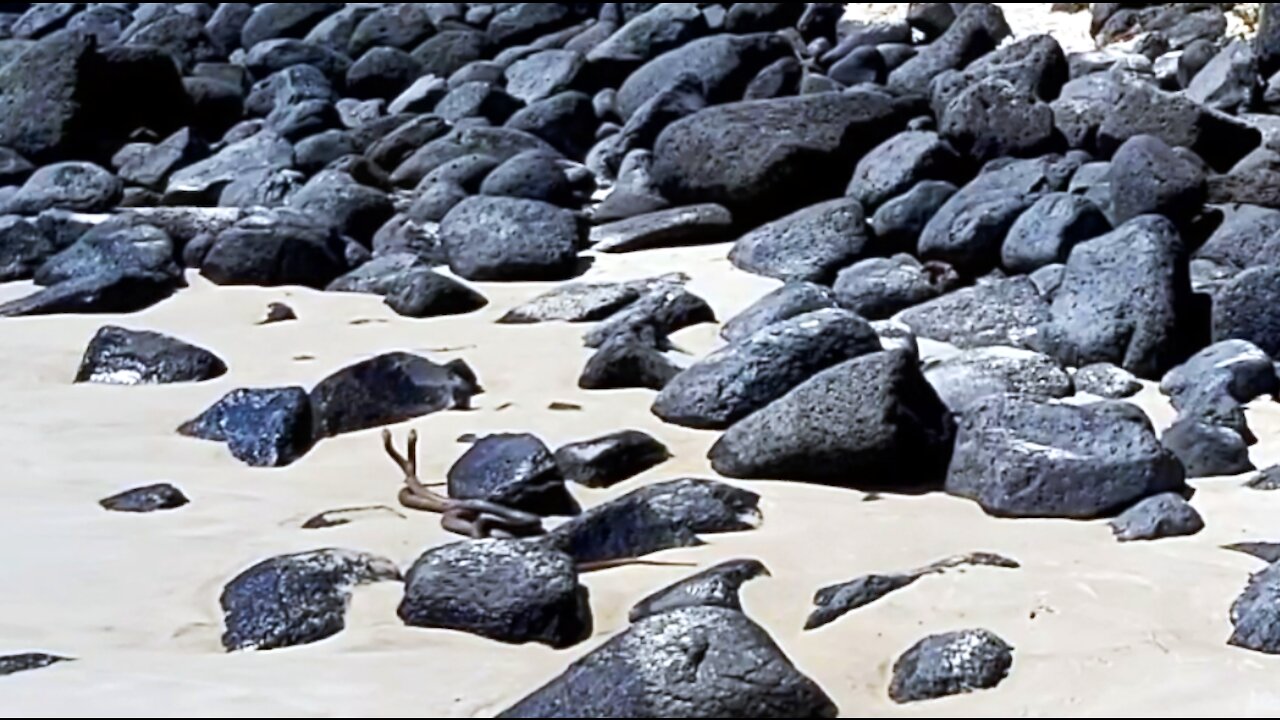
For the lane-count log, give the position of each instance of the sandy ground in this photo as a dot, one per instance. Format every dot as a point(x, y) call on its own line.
point(1100, 628)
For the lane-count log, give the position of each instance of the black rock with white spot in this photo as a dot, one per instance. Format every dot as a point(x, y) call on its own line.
point(118, 356)
point(950, 664)
point(296, 599)
point(263, 427)
point(608, 460)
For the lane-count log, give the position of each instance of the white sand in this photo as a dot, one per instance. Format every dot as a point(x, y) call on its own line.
point(1099, 628)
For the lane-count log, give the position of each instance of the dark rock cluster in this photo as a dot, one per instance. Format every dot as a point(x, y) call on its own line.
point(1071, 223)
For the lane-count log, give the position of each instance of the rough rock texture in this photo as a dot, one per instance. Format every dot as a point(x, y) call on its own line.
point(1162, 516)
point(808, 245)
point(869, 422)
point(1019, 457)
point(974, 374)
point(741, 673)
point(608, 460)
point(495, 238)
point(262, 427)
point(788, 301)
point(748, 375)
point(151, 498)
point(1256, 614)
point(950, 664)
point(517, 471)
point(714, 587)
point(388, 389)
point(507, 590)
point(117, 356)
point(296, 599)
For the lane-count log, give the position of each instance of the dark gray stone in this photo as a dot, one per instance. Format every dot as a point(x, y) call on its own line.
point(585, 302)
point(78, 186)
point(901, 163)
point(277, 20)
point(203, 182)
point(150, 165)
point(1248, 236)
point(869, 422)
point(746, 376)
point(878, 288)
point(516, 471)
point(972, 375)
point(1246, 308)
point(1148, 177)
point(334, 199)
point(1020, 457)
point(993, 118)
point(117, 356)
point(506, 590)
point(296, 599)
point(531, 175)
point(715, 587)
point(950, 664)
point(809, 245)
point(629, 360)
point(1207, 449)
point(693, 225)
point(122, 245)
point(764, 158)
point(656, 517)
point(1049, 229)
point(740, 672)
point(608, 460)
point(499, 143)
point(388, 389)
point(275, 247)
point(899, 222)
point(724, 64)
point(1230, 82)
point(410, 287)
point(1125, 299)
point(1237, 368)
point(565, 121)
point(152, 498)
point(262, 427)
point(507, 239)
point(997, 312)
point(979, 29)
point(839, 600)
point(664, 309)
point(1256, 614)
point(788, 301)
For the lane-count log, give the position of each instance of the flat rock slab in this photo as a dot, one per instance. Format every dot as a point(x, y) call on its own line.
point(151, 498)
point(693, 225)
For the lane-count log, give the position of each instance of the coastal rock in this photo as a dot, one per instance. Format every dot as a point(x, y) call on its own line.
point(388, 389)
point(117, 356)
point(517, 471)
point(151, 498)
point(714, 587)
point(608, 460)
point(262, 427)
point(950, 664)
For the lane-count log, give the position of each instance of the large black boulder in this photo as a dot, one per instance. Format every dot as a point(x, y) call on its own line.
point(1149, 177)
point(808, 245)
point(740, 672)
point(763, 158)
point(1021, 457)
point(275, 247)
point(387, 389)
point(509, 239)
point(268, 427)
point(296, 599)
point(512, 591)
point(950, 664)
point(1245, 308)
point(610, 459)
point(748, 375)
point(869, 422)
point(517, 471)
point(117, 356)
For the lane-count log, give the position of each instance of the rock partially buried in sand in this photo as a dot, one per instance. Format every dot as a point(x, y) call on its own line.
point(1019, 457)
point(1267, 480)
point(654, 518)
point(869, 422)
point(715, 587)
point(950, 664)
point(263, 427)
point(1208, 448)
point(1237, 368)
point(388, 389)
point(748, 375)
point(278, 313)
point(507, 590)
point(1256, 614)
point(117, 356)
point(151, 498)
point(836, 601)
point(606, 461)
point(296, 599)
point(26, 662)
point(740, 672)
point(516, 471)
point(630, 360)
point(1162, 516)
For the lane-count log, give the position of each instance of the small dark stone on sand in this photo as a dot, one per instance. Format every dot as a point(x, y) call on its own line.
point(146, 499)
